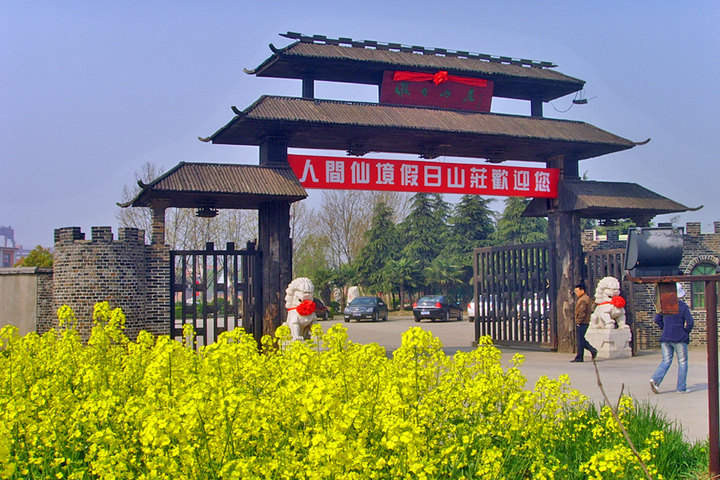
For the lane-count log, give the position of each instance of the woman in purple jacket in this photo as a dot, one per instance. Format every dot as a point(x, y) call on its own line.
point(674, 339)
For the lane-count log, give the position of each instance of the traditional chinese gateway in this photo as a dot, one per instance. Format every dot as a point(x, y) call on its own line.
point(432, 102)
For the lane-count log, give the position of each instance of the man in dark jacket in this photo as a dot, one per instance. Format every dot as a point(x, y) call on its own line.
point(674, 339)
point(583, 309)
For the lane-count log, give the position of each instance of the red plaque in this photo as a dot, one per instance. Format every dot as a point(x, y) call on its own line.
point(436, 90)
point(420, 176)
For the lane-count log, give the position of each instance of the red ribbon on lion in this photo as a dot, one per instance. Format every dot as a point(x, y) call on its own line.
point(616, 301)
point(306, 307)
point(441, 76)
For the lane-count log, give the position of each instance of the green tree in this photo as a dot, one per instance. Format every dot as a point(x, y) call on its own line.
point(424, 229)
point(513, 228)
point(310, 255)
point(442, 275)
point(620, 224)
point(343, 277)
point(322, 279)
point(401, 273)
point(471, 226)
point(38, 257)
point(380, 247)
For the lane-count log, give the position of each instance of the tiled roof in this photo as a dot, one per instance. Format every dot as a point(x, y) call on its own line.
point(607, 200)
point(365, 127)
point(194, 185)
point(346, 60)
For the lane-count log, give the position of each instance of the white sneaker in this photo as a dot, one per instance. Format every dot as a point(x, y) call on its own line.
point(687, 390)
point(654, 386)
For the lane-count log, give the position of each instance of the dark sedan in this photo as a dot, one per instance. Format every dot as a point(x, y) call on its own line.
point(437, 307)
point(371, 308)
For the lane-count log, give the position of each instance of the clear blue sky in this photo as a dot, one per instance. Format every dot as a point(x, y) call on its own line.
point(90, 90)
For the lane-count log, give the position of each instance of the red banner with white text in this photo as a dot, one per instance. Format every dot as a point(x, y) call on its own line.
point(420, 176)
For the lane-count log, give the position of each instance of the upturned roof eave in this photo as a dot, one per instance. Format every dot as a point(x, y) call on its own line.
point(158, 193)
point(249, 127)
point(585, 197)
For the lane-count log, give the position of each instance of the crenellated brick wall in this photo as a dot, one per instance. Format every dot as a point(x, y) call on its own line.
point(698, 248)
point(125, 272)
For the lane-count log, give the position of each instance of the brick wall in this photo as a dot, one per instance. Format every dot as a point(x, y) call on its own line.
point(698, 248)
point(125, 272)
point(45, 312)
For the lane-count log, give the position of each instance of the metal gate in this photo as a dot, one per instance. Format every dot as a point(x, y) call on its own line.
point(513, 288)
point(215, 291)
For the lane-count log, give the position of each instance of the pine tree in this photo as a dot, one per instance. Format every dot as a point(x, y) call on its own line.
point(381, 247)
point(513, 228)
point(471, 226)
point(425, 228)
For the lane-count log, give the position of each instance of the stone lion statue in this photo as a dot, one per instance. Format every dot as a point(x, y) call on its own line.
point(300, 307)
point(609, 305)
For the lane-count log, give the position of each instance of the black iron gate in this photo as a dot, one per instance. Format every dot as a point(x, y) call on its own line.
point(514, 291)
point(513, 288)
point(215, 291)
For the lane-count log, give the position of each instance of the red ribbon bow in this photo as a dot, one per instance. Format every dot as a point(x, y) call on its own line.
point(306, 307)
point(616, 301)
point(440, 77)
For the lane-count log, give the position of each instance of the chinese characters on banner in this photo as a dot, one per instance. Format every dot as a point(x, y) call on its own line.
point(451, 93)
point(420, 176)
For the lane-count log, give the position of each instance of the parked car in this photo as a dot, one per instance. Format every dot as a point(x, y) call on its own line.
point(437, 307)
point(493, 308)
point(372, 308)
point(321, 310)
point(487, 309)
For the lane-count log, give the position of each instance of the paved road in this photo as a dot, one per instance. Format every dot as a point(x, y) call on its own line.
point(630, 375)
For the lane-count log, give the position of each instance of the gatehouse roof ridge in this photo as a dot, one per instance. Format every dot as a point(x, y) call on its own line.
point(443, 52)
point(364, 62)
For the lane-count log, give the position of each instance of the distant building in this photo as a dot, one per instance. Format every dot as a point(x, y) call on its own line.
point(8, 254)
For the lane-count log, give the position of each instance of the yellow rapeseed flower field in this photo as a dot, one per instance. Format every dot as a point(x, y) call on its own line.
point(327, 408)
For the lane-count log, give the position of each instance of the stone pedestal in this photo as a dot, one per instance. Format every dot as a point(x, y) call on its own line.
point(610, 343)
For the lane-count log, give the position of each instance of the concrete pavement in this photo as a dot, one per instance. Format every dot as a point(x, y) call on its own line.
point(628, 375)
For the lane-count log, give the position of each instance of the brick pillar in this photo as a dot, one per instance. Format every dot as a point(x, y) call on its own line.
point(692, 229)
point(157, 232)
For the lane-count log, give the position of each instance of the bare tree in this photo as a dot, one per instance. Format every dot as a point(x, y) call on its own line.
point(343, 218)
point(300, 221)
point(399, 202)
point(133, 216)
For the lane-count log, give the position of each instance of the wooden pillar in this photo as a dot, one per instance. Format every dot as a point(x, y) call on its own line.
point(566, 249)
point(276, 248)
point(274, 242)
point(273, 152)
point(536, 107)
point(308, 86)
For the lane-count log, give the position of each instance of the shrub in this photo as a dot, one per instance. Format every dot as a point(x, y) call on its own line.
point(326, 408)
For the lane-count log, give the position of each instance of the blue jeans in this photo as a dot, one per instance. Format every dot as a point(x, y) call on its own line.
point(668, 348)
